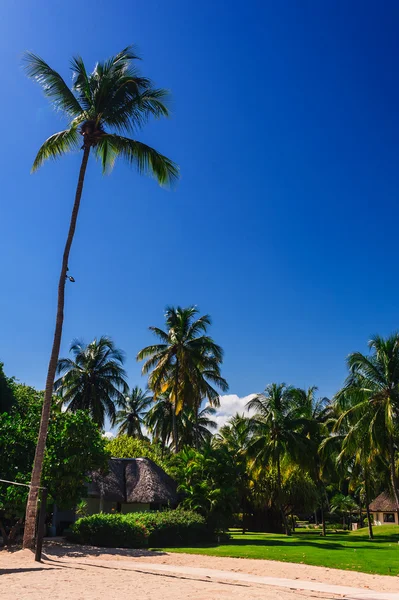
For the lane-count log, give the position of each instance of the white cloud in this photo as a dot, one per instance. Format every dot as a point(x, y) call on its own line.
point(109, 435)
point(231, 404)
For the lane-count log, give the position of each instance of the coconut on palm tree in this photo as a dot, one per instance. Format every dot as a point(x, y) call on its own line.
point(186, 362)
point(94, 380)
point(131, 416)
point(102, 108)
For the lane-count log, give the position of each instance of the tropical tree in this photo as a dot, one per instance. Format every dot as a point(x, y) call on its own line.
point(130, 417)
point(102, 108)
point(372, 392)
point(126, 446)
point(195, 426)
point(315, 414)
point(344, 505)
point(277, 432)
point(207, 480)
point(94, 380)
point(235, 436)
point(75, 447)
point(194, 429)
point(6, 391)
point(186, 364)
point(159, 420)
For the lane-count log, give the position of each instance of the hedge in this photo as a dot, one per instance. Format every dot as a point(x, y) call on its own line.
point(109, 530)
point(138, 530)
point(173, 527)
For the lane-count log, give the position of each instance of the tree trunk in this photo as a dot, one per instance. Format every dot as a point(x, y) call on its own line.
point(174, 419)
point(394, 478)
point(280, 505)
point(196, 436)
point(323, 521)
point(31, 506)
point(369, 523)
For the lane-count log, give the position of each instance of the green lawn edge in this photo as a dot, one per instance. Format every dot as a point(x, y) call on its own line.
point(351, 551)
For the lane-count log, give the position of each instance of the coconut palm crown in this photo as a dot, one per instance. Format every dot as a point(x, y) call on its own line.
point(103, 107)
point(94, 380)
point(131, 416)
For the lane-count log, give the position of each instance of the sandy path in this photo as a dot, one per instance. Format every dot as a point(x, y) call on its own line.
point(82, 573)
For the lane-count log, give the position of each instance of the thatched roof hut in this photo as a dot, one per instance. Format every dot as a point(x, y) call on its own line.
point(383, 503)
point(133, 480)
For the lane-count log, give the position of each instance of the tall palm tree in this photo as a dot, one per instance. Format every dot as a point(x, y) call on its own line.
point(94, 380)
point(132, 415)
point(186, 363)
point(235, 436)
point(194, 430)
point(277, 432)
point(315, 412)
point(372, 389)
point(102, 108)
point(195, 426)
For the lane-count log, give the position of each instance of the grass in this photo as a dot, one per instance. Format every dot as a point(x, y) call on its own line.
point(352, 551)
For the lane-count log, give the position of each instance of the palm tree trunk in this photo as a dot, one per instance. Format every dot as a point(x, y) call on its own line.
point(31, 506)
point(367, 494)
point(323, 520)
point(280, 505)
point(174, 419)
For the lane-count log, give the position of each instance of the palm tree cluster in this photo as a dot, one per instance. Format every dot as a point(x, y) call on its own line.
point(184, 377)
point(291, 453)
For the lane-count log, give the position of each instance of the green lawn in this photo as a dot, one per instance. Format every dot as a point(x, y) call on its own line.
point(352, 551)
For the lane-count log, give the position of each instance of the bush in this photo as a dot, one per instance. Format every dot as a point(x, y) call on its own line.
point(111, 531)
point(138, 530)
point(173, 527)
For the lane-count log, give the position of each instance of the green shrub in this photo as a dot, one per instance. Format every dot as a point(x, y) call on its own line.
point(173, 527)
point(137, 530)
point(111, 531)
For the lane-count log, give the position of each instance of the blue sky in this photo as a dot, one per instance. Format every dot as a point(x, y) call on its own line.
point(284, 224)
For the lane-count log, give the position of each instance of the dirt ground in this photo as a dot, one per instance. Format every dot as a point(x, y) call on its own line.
point(70, 572)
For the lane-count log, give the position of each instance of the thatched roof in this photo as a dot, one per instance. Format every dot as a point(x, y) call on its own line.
point(383, 503)
point(134, 480)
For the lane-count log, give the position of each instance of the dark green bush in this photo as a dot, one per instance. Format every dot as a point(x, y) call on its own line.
point(137, 530)
point(111, 531)
point(173, 527)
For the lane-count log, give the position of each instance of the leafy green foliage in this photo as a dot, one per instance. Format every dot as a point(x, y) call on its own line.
point(173, 527)
point(207, 480)
point(95, 380)
point(193, 426)
point(130, 417)
point(112, 97)
point(74, 447)
point(6, 391)
point(136, 530)
point(125, 446)
point(109, 530)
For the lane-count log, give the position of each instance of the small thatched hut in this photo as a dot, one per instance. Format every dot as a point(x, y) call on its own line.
point(384, 510)
point(132, 484)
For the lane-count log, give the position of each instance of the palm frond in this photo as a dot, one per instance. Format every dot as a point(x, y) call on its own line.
point(56, 146)
point(144, 158)
point(53, 85)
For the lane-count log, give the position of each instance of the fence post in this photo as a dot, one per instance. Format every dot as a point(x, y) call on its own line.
point(41, 525)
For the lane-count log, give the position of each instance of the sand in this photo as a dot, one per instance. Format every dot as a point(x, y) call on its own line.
point(85, 573)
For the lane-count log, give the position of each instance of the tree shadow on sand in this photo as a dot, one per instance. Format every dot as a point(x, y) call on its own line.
point(53, 550)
